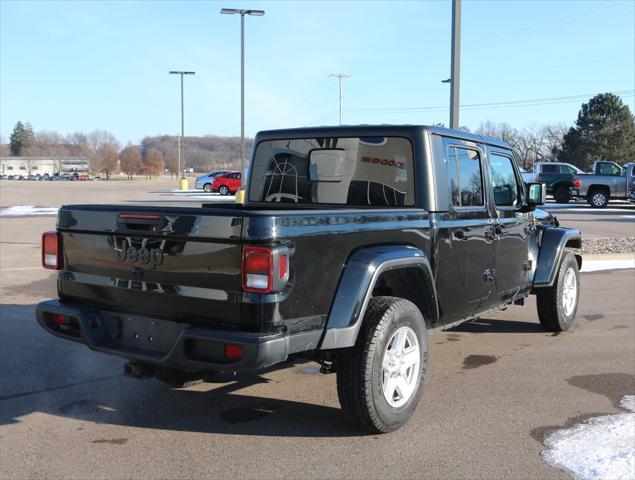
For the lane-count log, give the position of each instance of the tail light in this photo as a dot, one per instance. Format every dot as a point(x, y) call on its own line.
point(538, 179)
point(52, 250)
point(576, 182)
point(265, 269)
point(233, 352)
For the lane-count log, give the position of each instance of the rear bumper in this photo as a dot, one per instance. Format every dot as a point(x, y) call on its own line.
point(171, 344)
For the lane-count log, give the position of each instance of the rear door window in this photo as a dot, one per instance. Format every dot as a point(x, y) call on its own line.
point(466, 178)
point(357, 171)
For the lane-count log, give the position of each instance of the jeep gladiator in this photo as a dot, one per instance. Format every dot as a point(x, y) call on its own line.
point(353, 243)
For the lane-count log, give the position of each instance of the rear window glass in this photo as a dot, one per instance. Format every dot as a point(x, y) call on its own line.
point(359, 171)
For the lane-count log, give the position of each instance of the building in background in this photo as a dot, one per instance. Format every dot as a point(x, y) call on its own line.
point(43, 165)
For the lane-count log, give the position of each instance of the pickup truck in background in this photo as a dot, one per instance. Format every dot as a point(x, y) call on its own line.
point(608, 181)
point(558, 177)
point(352, 245)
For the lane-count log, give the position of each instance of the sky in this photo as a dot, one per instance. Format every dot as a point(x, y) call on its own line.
point(84, 65)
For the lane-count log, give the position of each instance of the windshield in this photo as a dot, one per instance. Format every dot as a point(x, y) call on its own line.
point(357, 171)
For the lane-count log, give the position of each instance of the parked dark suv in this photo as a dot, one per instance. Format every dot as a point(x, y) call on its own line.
point(352, 245)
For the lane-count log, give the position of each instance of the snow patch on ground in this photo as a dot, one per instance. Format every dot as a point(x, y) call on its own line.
point(602, 448)
point(26, 211)
point(212, 197)
point(596, 265)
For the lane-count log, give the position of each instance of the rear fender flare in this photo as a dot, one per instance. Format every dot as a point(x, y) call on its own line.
point(361, 272)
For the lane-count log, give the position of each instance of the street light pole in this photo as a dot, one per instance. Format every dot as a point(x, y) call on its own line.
point(455, 78)
point(242, 13)
point(181, 145)
point(341, 76)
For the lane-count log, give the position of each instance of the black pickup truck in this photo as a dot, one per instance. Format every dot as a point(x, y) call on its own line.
point(353, 243)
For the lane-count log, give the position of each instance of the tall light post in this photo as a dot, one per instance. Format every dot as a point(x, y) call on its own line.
point(340, 76)
point(242, 13)
point(181, 149)
point(455, 76)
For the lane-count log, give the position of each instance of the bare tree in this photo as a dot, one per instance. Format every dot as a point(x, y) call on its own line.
point(77, 144)
point(106, 159)
point(153, 163)
point(94, 141)
point(554, 138)
point(172, 163)
point(130, 161)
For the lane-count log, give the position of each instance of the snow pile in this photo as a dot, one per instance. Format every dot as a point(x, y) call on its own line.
point(602, 448)
point(597, 265)
point(26, 210)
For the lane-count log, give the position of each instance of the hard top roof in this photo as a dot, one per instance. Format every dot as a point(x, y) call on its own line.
point(364, 130)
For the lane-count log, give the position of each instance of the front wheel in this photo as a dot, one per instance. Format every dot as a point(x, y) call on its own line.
point(380, 379)
point(207, 187)
point(223, 190)
point(558, 304)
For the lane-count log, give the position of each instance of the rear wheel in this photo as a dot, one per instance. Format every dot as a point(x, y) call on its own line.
point(181, 378)
point(558, 304)
point(561, 194)
point(223, 190)
point(380, 379)
point(207, 187)
point(598, 198)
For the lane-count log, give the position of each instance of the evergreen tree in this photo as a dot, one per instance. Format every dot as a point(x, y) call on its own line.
point(21, 139)
point(604, 130)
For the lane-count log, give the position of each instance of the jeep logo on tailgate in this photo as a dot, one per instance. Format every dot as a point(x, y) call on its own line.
point(125, 250)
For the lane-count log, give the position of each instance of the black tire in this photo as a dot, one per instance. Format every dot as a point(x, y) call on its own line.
point(223, 190)
point(598, 198)
point(207, 187)
point(183, 379)
point(561, 194)
point(360, 373)
point(553, 316)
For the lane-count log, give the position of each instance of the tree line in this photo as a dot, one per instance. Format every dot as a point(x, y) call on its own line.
point(603, 130)
point(106, 155)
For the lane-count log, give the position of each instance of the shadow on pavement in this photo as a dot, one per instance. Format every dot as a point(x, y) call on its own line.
point(44, 374)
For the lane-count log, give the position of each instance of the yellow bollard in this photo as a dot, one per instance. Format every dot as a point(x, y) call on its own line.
point(183, 184)
point(240, 196)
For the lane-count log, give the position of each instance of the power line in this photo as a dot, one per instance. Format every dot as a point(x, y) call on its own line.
point(510, 103)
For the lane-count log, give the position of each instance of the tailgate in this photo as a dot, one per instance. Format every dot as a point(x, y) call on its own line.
point(178, 263)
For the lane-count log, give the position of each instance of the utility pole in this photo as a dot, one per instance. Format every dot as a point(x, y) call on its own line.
point(182, 185)
point(341, 76)
point(455, 79)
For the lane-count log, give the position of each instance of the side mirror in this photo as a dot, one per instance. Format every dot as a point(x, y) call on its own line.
point(536, 194)
point(327, 164)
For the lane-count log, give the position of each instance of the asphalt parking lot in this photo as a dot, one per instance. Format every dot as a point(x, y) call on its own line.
point(495, 386)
